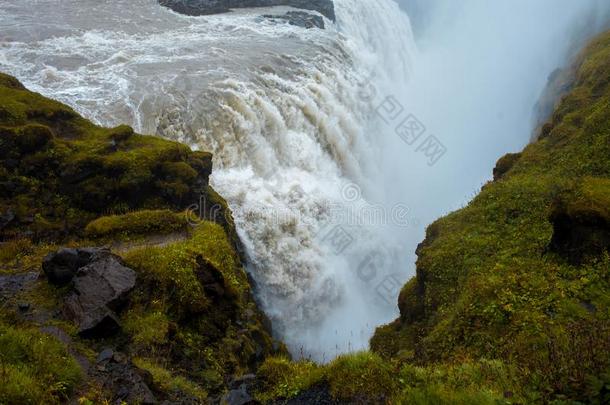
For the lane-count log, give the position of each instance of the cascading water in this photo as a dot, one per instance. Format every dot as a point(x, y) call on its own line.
point(290, 116)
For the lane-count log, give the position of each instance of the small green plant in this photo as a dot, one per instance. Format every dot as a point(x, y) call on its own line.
point(34, 367)
point(164, 380)
point(282, 378)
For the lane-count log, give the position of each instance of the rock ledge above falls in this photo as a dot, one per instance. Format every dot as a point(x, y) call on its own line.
point(206, 7)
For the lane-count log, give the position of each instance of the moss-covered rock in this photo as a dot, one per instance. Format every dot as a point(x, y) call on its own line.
point(60, 171)
point(137, 224)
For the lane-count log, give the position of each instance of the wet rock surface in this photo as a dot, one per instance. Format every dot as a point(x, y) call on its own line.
point(205, 7)
point(299, 19)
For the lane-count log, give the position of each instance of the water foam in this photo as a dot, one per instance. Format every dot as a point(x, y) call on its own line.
point(283, 111)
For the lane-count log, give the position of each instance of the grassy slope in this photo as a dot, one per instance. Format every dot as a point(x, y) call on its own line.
point(497, 313)
point(60, 178)
point(488, 286)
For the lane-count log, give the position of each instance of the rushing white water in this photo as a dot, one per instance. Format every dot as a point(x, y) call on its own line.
point(289, 115)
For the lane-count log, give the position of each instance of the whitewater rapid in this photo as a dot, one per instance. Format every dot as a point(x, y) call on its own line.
point(290, 115)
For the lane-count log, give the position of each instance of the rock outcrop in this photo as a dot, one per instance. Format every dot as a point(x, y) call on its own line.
point(100, 285)
point(205, 7)
point(581, 221)
point(299, 19)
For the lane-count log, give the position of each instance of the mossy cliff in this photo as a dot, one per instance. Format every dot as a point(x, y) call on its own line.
point(522, 273)
point(190, 324)
point(511, 301)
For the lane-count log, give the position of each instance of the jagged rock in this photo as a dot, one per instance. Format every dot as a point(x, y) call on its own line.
point(204, 7)
point(61, 267)
point(239, 391)
point(581, 221)
point(299, 19)
point(105, 355)
point(211, 279)
point(100, 286)
point(577, 236)
point(125, 382)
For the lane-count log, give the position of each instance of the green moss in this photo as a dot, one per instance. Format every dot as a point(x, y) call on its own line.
point(210, 331)
point(361, 376)
point(64, 171)
point(483, 382)
point(165, 381)
point(282, 378)
point(35, 368)
point(137, 223)
point(148, 329)
point(173, 268)
point(368, 379)
point(357, 378)
point(590, 199)
point(20, 255)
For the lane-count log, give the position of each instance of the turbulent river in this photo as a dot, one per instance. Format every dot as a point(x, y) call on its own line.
point(333, 147)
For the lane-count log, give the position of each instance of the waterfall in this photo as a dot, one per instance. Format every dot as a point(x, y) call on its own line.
point(302, 152)
point(290, 115)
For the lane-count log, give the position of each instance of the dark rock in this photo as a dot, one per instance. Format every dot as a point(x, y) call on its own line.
point(239, 391)
point(205, 7)
point(58, 333)
point(61, 267)
point(238, 396)
point(100, 288)
point(6, 218)
point(101, 284)
point(119, 357)
point(125, 383)
point(504, 164)
point(299, 19)
point(578, 233)
point(24, 306)
point(105, 355)
point(211, 279)
point(591, 308)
